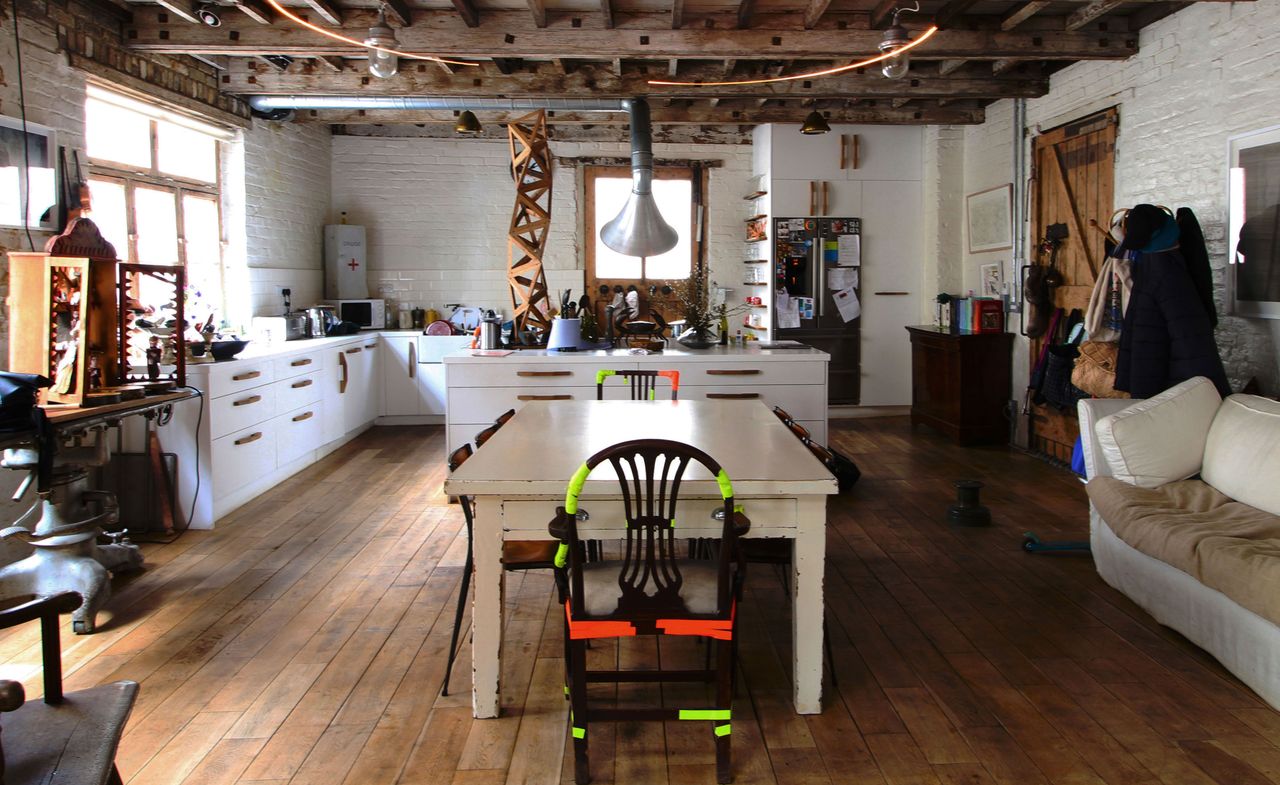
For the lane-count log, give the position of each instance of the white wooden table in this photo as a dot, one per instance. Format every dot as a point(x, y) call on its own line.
point(519, 477)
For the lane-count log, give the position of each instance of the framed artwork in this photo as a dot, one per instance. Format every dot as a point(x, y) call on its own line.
point(28, 178)
point(992, 279)
point(1253, 229)
point(989, 219)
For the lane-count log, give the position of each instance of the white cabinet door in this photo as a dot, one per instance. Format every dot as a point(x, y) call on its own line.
point(800, 157)
point(401, 387)
point(331, 396)
point(431, 388)
point(887, 269)
point(370, 380)
point(844, 198)
point(352, 402)
point(790, 199)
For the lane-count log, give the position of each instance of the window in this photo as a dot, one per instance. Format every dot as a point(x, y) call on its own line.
point(27, 176)
point(607, 190)
point(154, 184)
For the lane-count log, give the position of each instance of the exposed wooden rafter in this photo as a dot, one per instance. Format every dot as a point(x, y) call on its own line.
point(539, 10)
point(256, 10)
point(1091, 12)
point(606, 12)
point(814, 11)
point(881, 14)
point(677, 14)
point(399, 12)
point(948, 13)
point(950, 66)
point(333, 64)
point(468, 11)
point(697, 114)
point(1022, 13)
point(327, 11)
point(745, 7)
point(1002, 66)
point(184, 9)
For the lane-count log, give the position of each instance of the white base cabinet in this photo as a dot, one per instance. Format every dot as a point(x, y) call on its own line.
point(413, 377)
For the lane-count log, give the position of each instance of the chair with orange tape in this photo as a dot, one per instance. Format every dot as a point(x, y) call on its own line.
point(649, 591)
point(644, 384)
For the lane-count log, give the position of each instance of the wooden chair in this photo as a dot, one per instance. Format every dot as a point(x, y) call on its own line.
point(516, 555)
point(782, 414)
point(644, 384)
point(649, 591)
point(74, 736)
point(487, 434)
point(801, 432)
point(502, 418)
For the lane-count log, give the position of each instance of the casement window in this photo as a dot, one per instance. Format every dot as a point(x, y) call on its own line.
point(607, 189)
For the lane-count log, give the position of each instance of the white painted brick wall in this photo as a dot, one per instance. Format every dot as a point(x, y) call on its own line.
point(943, 197)
point(1202, 75)
point(437, 213)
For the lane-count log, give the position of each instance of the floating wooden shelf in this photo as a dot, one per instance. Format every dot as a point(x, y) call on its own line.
point(754, 283)
point(755, 218)
point(754, 195)
point(755, 261)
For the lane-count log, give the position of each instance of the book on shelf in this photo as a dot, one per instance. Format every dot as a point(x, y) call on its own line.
point(977, 314)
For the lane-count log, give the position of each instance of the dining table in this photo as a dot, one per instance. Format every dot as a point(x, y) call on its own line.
point(519, 477)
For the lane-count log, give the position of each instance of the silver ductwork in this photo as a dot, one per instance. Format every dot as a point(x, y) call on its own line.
point(269, 103)
point(639, 229)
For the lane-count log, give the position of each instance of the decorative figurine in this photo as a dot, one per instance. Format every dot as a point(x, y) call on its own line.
point(154, 353)
point(95, 371)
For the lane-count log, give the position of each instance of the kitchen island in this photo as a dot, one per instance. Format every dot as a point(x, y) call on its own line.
point(481, 387)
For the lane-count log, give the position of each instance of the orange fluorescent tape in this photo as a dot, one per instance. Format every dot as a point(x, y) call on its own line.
point(925, 36)
point(285, 12)
point(720, 629)
point(674, 376)
point(598, 629)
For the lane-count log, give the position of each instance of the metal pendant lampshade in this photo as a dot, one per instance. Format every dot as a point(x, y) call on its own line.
point(467, 123)
point(815, 123)
point(639, 229)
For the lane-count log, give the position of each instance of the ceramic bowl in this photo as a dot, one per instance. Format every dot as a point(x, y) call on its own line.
point(225, 350)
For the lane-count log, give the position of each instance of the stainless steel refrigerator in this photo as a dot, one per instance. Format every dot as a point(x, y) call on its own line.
point(819, 259)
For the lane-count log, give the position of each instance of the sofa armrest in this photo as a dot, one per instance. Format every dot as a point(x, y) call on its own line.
point(1090, 410)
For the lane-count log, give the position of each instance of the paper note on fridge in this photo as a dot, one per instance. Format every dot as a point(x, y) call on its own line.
point(849, 250)
point(847, 303)
point(842, 278)
point(789, 318)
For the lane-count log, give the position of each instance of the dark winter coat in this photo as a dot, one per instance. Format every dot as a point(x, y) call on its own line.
point(1168, 335)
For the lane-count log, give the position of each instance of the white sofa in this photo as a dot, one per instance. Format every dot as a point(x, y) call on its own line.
point(1230, 446)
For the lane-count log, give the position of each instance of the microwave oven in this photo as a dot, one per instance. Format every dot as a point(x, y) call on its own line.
point(369, 314)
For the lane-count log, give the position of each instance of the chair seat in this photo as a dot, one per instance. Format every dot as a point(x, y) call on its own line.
point(73, 743)
point(524, 552)
point(698, 588)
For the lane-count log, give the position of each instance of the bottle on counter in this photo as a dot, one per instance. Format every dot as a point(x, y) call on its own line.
point(406, 317)
point(724, 330)
point(418, 316)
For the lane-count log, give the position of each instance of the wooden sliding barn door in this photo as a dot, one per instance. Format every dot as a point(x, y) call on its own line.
point(1073, 182)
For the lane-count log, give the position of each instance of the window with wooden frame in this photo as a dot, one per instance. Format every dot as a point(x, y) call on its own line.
point(680, 194)
point(155, 189)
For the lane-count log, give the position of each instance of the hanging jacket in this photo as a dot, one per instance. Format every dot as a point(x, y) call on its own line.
point(1191, 241)
point(1110, 293)
point(1167, 336)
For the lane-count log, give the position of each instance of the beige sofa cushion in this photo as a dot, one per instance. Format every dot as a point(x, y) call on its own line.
point(1242, 453)
point(1161, 439)
point(1226, 545)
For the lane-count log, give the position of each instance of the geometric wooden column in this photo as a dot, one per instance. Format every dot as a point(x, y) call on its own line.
point(530, 221)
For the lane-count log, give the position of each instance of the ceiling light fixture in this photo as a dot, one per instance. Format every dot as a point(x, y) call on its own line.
point(383, 63)
point(208, 15)
point(291, 16)
point(895, 43)
point(815, 123)
point(900, 52)
point(467, 123)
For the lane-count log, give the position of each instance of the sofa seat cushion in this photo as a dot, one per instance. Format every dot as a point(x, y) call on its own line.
point(1226, 545)
point(1161, 439)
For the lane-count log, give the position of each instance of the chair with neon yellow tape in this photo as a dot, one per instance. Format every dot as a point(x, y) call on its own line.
point(644, 384)
point(649, 591)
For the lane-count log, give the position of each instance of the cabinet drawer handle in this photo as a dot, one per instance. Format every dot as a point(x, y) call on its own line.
point(892, 294)
point(247, 401)
point(370, 345)
point(301, 384)
point(304, 416)
point(544, 397)
point(244, 377)
point(732, 396)
point(342, 383)
point(734, 372)
point(413, 359)
point(543, 373)
point(354, 351)
point(250, 438)
point(300, 363)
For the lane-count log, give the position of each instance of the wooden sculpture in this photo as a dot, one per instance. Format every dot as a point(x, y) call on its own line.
point(530, 222)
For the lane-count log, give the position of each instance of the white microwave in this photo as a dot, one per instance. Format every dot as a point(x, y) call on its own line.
point(369, 314)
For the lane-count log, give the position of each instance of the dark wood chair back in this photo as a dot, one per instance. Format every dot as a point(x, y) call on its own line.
point(782, 414)
point(502, 418)
point(801, 432)
point(487, 434)
point(644, 384)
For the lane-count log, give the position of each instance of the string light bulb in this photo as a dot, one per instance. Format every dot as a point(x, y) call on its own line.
point(895, 42)
point(383, 62)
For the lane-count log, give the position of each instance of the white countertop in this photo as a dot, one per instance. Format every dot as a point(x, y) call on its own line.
point(257, 351)
point(714, 354)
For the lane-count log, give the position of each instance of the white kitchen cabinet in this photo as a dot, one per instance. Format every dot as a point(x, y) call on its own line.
point(370, 382)
point(797, 156)
point(890, 293)
point(802, 198)
point(401, 388)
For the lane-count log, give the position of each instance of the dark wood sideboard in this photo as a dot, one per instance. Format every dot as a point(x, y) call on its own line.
point(960, 383)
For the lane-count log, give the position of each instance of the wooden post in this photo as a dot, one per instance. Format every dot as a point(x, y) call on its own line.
point(530, 221)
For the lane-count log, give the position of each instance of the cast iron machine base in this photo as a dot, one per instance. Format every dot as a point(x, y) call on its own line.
point(968, 510)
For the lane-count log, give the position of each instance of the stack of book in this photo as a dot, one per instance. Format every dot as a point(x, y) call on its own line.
point(977, 314)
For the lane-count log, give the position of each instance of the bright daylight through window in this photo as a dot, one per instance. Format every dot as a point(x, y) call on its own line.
point(673, 191)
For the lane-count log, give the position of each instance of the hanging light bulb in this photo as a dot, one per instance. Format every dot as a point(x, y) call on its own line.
point(382, 64)
point(895, 38)
point(815, 123)
point(467, 123)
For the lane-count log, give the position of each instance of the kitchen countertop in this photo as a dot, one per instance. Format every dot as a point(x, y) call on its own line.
point(714, 354)
point(258, 351)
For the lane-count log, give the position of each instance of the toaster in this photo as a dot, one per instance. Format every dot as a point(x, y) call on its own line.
point(295, 326)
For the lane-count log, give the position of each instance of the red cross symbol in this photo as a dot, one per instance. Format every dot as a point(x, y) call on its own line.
point(353, 264)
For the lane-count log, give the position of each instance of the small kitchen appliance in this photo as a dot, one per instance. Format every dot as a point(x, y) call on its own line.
point(369, 314)
point(491, 331)
point(566, 335)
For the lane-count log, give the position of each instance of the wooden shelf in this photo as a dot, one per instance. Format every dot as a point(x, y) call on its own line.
point(754, 195)
point(755, 261)
point(754, 283)
point(749, 327)
point(755, 218)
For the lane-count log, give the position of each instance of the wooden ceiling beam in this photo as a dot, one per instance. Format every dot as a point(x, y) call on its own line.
point(332, 64)
point(950, 66)
point(606, 11)
point(604, 82)
point(1021, 14)
point(1091, 12)
point(328, 12)
point(1002, 66)
point(512, 34)
point(952, 11)
point(539, 10)
point(256, 10)
point(882, 13)
point(898, 103)
point(745, 9)
point(183, 9)
point(814, 11)
point(673, 68)
point(699, 113)
point(468, 11)
point(677, 14)
point(214, 61)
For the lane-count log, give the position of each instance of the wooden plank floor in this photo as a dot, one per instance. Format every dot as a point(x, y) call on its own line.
point(304, 641)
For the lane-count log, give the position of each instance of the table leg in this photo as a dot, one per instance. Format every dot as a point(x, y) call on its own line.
point(486, 611)
point(808, 605)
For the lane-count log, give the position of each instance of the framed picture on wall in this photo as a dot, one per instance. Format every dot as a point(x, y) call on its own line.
point(989, 219)
point(28, 177)
point(1253, 233)
point(992, 279)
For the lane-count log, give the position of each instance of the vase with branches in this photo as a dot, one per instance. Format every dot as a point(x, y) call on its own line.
point(701, 317)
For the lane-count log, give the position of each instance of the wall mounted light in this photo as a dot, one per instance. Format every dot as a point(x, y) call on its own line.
point(467, 123)
point(383, 63)
point(815, 123)
point(895, 40)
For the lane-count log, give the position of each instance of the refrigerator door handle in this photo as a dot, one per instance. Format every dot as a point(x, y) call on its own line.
point(820, 294)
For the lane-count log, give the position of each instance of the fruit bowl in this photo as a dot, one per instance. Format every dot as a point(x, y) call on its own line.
point(225, 350)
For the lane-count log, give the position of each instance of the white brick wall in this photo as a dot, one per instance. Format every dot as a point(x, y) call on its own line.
point(437, 213)
point(943, 181)
point(1202, 75)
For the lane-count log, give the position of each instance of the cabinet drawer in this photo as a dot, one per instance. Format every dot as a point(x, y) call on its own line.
point(241, 457)
point(802, 401)
point(484, 404)
point(288, 367)
point(298, 432)
point(529, 374)
point(751, 373)
point(297, 391)
point(241, 410)
point(238, 375)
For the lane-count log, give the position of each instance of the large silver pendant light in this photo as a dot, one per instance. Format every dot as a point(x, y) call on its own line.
point(639, 229)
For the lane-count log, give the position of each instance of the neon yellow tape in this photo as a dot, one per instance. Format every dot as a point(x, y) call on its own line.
point(603, 374)
point(579, 733)
point(561, 559)
point(576, 482)
point(705, 714)
point(726, 487)
point(653, 394)
point(722, 730)
point(566, 689)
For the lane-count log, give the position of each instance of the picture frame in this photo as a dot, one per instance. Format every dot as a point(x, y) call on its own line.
point(1253, 216)
point(37, 187)
point(991, 280)
point(989, 219)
